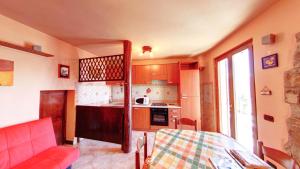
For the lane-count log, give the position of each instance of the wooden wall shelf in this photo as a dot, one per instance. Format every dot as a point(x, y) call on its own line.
point(25, 49)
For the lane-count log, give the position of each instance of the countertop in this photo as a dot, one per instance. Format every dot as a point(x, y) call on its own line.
point(120, 104)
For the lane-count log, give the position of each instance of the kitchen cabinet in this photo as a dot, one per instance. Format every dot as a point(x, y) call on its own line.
point(173, 73)
point(189, 81)
point(133, 75)
point(173, 114)
point(142, 74)
point(190, 108)
point(100, 123)
point(158, 72)
point(141, 118)
point(190, 95)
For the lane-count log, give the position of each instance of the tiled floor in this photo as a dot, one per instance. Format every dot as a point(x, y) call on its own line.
point(104, 155)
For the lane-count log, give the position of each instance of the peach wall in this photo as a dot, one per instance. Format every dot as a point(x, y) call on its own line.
point(33, 73)
point(283, 19)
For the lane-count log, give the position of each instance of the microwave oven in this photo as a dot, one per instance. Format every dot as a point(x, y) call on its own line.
point(142, 100)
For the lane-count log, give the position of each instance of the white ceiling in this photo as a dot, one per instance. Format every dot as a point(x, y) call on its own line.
point(171, 27)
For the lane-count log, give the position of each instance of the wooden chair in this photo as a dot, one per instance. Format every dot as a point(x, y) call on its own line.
point(278, 156)
point(185, 121)
point(141, 142)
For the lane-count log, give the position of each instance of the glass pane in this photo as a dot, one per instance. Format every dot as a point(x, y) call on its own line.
point(224, 99)
point(242, 99)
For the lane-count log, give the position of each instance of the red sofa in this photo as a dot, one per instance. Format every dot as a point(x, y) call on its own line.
point(32, 145)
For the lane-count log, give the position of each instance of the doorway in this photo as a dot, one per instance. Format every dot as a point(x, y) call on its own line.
point(235, 90)
point(53, 104)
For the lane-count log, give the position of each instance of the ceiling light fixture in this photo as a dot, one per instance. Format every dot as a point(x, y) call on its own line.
point(147, 51)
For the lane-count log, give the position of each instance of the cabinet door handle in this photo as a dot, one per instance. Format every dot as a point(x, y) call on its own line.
point(184, 97)
point(174, 116)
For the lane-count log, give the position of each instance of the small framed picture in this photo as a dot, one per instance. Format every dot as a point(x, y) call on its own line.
point(63, 71)
point(270, 61)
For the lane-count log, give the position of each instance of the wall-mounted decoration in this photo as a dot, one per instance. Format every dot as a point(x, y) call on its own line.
point(148, 90)
point(63, 71)
point(6, 72)
point(270, 61)
point(266, 91)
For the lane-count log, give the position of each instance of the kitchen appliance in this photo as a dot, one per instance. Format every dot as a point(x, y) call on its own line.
point(159, 104)
point(159, 117)
point(142, 100)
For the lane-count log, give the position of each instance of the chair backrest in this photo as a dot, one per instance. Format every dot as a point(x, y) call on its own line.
point(20, 142)
point(141, 142)
point(278, 156)
point(186, 121)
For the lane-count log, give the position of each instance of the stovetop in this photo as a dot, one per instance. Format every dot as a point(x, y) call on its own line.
point(159, 104)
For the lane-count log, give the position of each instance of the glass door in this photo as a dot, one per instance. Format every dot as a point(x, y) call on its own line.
point(236, 96)
point(224, 97)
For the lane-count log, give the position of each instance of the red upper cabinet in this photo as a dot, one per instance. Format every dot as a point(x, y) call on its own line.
point(159, 72)
point(142, 74)
point(173, 73)
point(133, 75)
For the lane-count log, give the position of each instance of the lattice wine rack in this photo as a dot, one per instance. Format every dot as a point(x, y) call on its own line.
point(106, 68)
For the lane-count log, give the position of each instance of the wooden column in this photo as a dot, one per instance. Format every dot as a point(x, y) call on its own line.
point(126, 145)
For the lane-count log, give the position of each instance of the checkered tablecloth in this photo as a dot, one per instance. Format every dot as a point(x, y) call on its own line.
point(176, 149)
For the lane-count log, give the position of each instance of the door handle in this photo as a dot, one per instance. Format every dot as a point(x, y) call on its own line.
point(184, 97)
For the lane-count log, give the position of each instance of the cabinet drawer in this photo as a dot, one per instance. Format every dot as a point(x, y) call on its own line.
point(173, 114)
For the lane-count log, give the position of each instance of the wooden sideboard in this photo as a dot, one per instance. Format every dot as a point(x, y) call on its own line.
point(100, 123)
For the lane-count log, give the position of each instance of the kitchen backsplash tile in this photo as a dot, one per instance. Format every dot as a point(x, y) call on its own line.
point(154, 92)
point(92, 93)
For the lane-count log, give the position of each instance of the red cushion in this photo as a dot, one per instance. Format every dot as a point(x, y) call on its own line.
point(18, 144)
point(33, 144)
point(42, 135)
point(4, 156)
point(59, 157)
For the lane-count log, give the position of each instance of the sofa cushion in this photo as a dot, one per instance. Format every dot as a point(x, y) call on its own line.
point(33, 145)
point(59, 157)
point(42, 135)
point(18, 143)
point(4, 156)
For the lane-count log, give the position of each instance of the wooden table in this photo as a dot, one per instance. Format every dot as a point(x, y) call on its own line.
point(188, 149)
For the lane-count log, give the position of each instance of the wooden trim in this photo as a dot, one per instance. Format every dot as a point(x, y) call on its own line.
point(68, 142)
point(217, 95)
point(228, 54)
point(231, 98)
point(239, 47)
point(253, 97)
point(25, 49)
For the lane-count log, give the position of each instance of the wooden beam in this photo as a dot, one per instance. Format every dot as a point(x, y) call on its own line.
point(126, 145)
